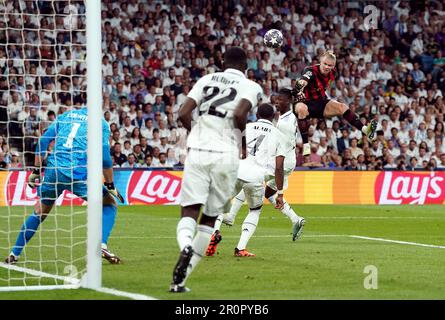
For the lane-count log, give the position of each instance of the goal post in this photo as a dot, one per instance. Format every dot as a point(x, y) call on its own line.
point(94, 102)
point(50, 60)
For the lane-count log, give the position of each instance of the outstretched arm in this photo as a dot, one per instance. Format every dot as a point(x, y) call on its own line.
point(240, 119)
point(44, 142)
point(185, 113)
point(107, 170)
point(279, 180)
point(41, 149)
point(302, 82)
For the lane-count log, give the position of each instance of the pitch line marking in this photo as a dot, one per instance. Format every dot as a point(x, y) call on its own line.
point(134, 296)
point(74, 284)
point(336, 218)
point(316, 236)
point(41, 274)
point(398, 242)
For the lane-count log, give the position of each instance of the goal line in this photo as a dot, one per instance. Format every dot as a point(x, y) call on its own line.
point(70, 283)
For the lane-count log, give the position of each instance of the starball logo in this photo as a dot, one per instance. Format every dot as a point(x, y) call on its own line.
point(410, 188)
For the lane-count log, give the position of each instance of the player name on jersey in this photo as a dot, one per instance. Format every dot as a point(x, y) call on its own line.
point(224, 80)
point(81, 117)
point(261, 128)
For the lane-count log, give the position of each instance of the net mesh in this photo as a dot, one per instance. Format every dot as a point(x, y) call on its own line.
point(42, 75)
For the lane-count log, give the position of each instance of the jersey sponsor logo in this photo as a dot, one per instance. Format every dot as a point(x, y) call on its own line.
point(153, 187)
point(18, 193)
point(410, 188)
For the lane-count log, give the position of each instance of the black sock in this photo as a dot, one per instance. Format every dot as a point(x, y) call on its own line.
point(303, 126)
point(352, 118)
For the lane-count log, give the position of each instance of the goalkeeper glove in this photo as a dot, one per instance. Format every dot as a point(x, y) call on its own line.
point(297, 92)
point(299, 86)
point(298, 95)
point(113, 191)
point(35, 175)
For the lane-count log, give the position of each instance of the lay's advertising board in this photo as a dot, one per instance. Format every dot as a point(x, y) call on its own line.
point(140, 187)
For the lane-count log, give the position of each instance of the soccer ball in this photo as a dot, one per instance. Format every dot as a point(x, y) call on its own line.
point(273, 38)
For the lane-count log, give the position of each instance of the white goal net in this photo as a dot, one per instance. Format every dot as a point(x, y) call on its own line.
point(42, 75)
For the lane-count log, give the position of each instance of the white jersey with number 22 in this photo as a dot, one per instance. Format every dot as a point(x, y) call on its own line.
point(217, 96)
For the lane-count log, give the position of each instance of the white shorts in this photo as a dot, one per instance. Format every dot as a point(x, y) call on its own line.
point(270, 180)
point(209, 179)
point(249, 171)
point(253, 191)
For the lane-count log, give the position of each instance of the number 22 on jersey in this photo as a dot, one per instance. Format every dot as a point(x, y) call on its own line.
point(214, 99)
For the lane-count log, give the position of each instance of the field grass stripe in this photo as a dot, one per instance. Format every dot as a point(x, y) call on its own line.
point(397, 241)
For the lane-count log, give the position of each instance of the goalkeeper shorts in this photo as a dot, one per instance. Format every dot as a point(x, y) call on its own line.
point(55, 183)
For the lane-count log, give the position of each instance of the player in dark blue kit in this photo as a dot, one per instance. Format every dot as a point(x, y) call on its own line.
point(66, 169)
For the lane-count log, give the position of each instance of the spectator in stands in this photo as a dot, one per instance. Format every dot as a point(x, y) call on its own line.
point(138, 154)
point(394, 74)
point(441, 165)
point(139, 120)
point(3, 164)
point(353, 166)
point(136, 136)
point(343, 142)
point(127, 148)
point(131, 162)
point(145, 147)
point(147, 161)
point(119, 157)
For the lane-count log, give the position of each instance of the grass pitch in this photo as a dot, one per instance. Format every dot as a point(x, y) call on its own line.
point(327, 263)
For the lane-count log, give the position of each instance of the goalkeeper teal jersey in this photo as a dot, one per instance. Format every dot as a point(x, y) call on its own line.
point(68, 155)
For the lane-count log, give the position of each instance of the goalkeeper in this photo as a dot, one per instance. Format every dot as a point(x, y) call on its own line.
point(66, 169)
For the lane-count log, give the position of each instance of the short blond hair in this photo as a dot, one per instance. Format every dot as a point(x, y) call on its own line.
point(329, 54)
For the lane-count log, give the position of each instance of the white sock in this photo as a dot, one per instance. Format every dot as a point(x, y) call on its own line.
point(185, 232)
point(218, 222)
point(236, 205)
point(289, 212)
point(272, 200)
point(248, 228)
point(199, 245)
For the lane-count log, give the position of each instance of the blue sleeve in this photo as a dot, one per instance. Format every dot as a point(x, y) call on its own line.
point(44, 141)
point(106, 162)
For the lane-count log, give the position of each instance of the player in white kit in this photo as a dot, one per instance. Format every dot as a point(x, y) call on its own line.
point(287, 125)
point(263, 146)
point(214, 145)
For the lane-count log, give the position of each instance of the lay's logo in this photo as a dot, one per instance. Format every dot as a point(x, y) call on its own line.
point(18, 193)
point(153, 187)
point(410, 188)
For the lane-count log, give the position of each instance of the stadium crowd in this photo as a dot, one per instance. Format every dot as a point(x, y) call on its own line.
point(154, 51)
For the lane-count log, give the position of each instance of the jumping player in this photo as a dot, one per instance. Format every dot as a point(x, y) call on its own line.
point(312, 101)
